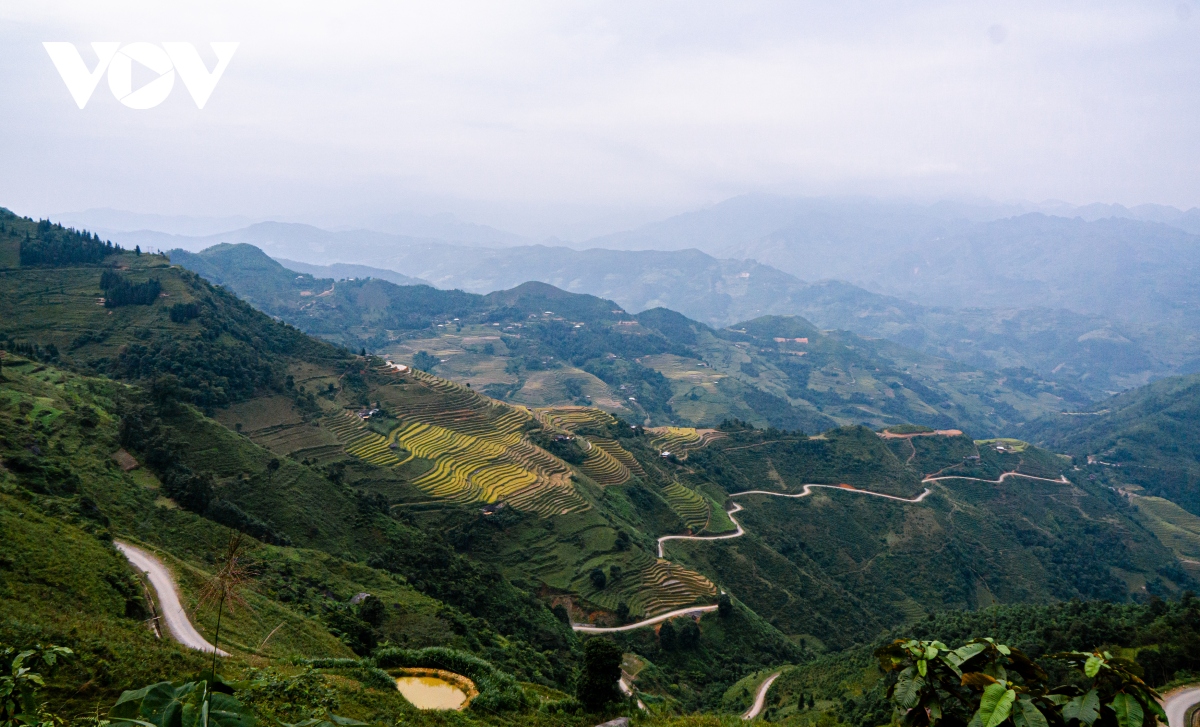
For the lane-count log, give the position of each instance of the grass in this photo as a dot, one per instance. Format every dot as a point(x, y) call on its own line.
point(718, 521)
point(1175, 527)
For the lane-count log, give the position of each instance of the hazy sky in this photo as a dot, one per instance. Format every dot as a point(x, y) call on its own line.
point(538, 116)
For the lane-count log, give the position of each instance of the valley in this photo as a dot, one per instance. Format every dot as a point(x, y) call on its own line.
point(717, 502)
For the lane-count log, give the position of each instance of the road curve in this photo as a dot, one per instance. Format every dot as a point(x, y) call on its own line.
point(1062, 479)
point(168, 598)
point(1178, 703)
point(585, 628)
point(735, 534)
point(844, 488)
point(760, 698)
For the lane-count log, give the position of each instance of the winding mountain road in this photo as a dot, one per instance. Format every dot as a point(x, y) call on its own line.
point(725, 536)
point(844, 488)
point(804, 492)
point(1062, 479)
point(168, 598)
point(760, 698)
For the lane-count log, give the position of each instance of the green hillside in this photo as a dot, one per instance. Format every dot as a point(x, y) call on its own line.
point(63, 499)
point(539, 346)
point(170, 414)
point(1147, 437)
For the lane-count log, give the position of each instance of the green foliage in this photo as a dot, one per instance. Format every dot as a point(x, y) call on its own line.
point(567, 448)
point(184, 312)
point(601, 671)
point(987, 684)
point(23, 678)
point(330, 720)
point(424, 361)
point(180, 704)
point(119, 290)
point(724, 605)
point(53, 245)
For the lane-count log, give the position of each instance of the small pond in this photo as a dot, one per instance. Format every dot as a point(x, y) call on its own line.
point(431, 692)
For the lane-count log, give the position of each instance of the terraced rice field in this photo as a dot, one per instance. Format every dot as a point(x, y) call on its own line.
point(1175, 527)
point(571, 418)
point(603, 468)
point(607, 462)
point(691, 507)
point(289, 439)
point(477, 446)
point(359, 441)
point(679, 440)
point(620, 454)
point(655, 587)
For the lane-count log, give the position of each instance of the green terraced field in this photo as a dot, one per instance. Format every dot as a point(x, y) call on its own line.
point(692, 508)
point(1177, 528)
point(654, 586)
point(571, 418)
point(603, 467)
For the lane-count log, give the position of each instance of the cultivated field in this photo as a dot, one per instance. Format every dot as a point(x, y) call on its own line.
point(476, 446)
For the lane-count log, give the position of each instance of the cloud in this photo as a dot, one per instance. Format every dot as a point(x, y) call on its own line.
point(588, 106)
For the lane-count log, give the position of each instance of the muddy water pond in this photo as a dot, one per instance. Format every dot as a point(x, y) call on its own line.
point(431, 692)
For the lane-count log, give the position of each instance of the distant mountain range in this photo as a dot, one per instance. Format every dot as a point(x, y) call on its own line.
point(1103, 304)
point(537, 345)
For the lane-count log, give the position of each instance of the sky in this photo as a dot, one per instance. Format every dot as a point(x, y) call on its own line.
point(575, 118)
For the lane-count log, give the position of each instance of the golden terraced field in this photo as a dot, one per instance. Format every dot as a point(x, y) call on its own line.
point(476, 444)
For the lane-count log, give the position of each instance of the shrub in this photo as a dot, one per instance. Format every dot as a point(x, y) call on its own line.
point(184, 312)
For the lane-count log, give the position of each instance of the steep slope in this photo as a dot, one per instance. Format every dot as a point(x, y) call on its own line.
point(63, 498)
point(1146, 437)
point(341, 491)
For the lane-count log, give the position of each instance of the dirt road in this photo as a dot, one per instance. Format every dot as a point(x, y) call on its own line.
point(168, 598)
point(760, 698)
